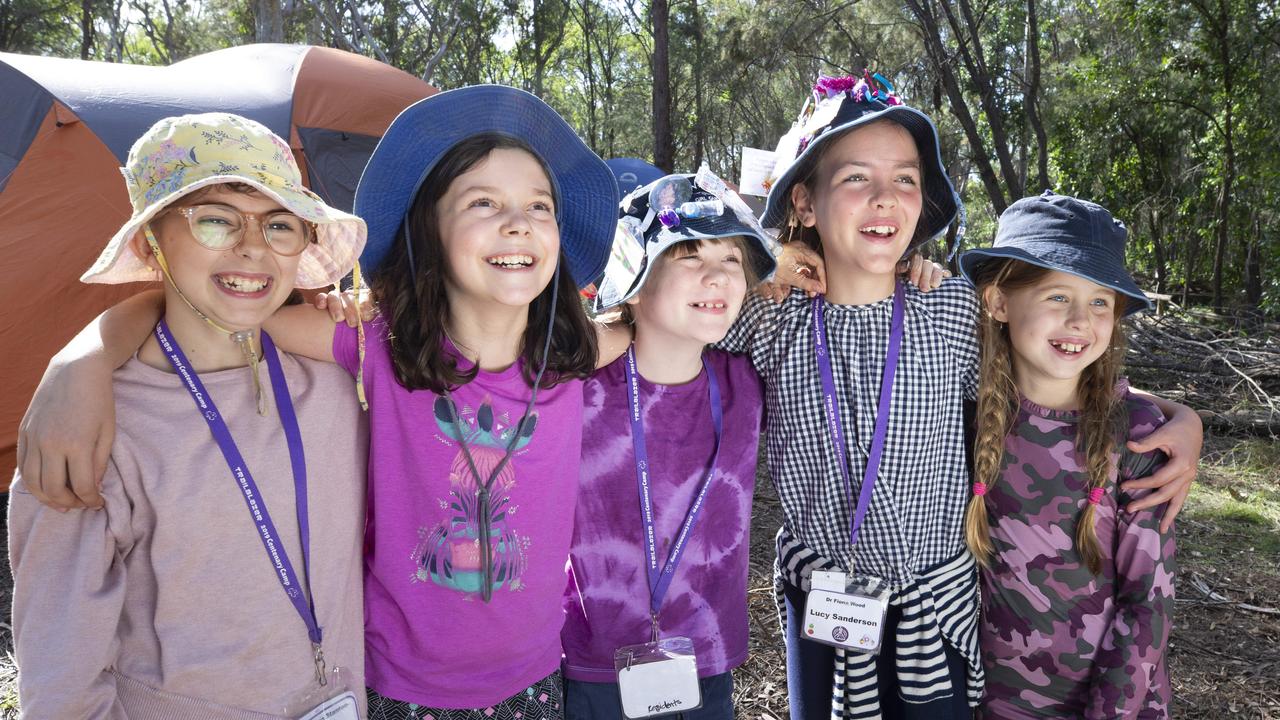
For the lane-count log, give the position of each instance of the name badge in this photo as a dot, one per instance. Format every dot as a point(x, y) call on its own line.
point(844, 613)
point(658, 678)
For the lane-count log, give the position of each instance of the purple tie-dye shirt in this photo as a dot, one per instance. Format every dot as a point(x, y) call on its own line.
point(1056, 640)
point(607, 601)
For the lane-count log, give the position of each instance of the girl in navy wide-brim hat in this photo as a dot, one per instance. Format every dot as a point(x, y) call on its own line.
point(1052, 414)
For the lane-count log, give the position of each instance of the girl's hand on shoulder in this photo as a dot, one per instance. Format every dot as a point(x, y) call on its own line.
point(65, 436)
point(347, 306)
point(924, 274)
point(798, 267)
point(1181, 439)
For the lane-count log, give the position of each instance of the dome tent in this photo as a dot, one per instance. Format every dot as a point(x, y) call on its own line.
point(66, 127)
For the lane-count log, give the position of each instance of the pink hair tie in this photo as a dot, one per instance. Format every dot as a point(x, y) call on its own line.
point(1095, 495)
point(979, 489)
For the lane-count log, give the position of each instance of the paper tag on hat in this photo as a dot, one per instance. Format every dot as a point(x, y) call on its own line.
point(823, 114)
point(757, 164)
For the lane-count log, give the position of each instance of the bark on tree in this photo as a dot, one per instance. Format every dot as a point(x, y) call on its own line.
point(268, 21)
point(663, 140)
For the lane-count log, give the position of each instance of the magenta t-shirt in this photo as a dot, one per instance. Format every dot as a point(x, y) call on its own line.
point(429, 638)
point(607, 601)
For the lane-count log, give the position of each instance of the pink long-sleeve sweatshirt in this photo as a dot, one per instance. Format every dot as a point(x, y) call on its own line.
point(165, 605)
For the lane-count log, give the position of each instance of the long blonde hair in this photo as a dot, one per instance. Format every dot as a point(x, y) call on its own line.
point(1101, 412)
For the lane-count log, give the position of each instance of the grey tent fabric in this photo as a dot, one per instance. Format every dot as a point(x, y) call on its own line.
point(24, 107)
point(335, 160)
point(115, 99)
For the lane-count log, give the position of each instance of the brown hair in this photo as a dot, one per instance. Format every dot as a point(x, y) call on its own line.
point(807, 174)
point(416, 308)
point(1101, 411)
point(690, 247)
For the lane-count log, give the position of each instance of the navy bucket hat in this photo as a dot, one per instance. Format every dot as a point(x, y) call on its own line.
point(632, 173)
point(1062, 233)
point(645, 231)
point(585, 191)
point(839, 105)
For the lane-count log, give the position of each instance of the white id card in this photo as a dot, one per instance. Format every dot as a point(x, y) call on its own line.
point(340, 707)
point(658, 678)
point(844, 613)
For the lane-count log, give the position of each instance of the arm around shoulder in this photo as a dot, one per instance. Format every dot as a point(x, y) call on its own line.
point(66, 434)
point(303, 330)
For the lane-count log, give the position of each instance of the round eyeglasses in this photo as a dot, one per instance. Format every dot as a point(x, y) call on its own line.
point(222, 227)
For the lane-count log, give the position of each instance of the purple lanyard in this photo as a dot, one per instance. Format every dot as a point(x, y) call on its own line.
point(832, 405)
point(253, 499)
point(660, 580)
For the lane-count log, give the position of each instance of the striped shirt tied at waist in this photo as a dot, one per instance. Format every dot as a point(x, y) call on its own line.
point(939, 603)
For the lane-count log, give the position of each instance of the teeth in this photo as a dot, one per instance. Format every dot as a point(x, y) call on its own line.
point(879, 229)
point(242, 284)
point(511, 260)
point(1067, 347)
point(715, 305)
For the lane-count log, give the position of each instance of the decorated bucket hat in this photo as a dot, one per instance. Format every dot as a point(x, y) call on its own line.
point(671, 210)
point(181, 154)
point(585, 191)
point(840, 104)
point(1060, 232)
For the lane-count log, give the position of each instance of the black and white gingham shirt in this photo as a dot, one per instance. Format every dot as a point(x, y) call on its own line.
point(913, 534)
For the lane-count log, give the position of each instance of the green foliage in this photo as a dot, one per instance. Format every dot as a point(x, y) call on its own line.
point(1150, 107)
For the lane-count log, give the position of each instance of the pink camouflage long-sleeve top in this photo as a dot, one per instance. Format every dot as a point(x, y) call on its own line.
point(1056, 640)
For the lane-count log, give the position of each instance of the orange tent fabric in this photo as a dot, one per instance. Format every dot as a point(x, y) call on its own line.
point(65, 129)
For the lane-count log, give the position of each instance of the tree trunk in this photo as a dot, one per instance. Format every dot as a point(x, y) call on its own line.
point(1157, 245)
point(663, 140)
point(1033, 100)
point(268, 21)
point(699, 125)
point(1253, 267)
point(980, 79)
point(86, 28)
point(945, 69)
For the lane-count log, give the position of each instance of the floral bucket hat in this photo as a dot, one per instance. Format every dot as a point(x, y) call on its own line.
point(181, 154)
point(838, 105)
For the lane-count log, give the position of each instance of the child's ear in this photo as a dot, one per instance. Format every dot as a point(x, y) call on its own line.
point(138, 243)
point(802, 202)
point(996, 302)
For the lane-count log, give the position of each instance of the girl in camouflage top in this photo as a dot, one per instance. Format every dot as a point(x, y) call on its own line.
point(1076, 592)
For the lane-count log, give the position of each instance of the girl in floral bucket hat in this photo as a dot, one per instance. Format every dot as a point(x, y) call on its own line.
point(222, 578)
point(874, 486)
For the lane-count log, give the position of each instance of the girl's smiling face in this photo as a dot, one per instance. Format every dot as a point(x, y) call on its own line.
point(693, 294)
point(864, 198)
point(238, 288)
point(498, 228)
point(1058, 326)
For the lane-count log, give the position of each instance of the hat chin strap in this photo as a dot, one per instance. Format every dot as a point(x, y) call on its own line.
point(243, 338)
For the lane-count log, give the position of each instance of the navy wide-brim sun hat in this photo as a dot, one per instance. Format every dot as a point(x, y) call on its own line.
point(1063, 233)
point(658, 239)
point(632, 173)
point(940, 202)
point(585, 192)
